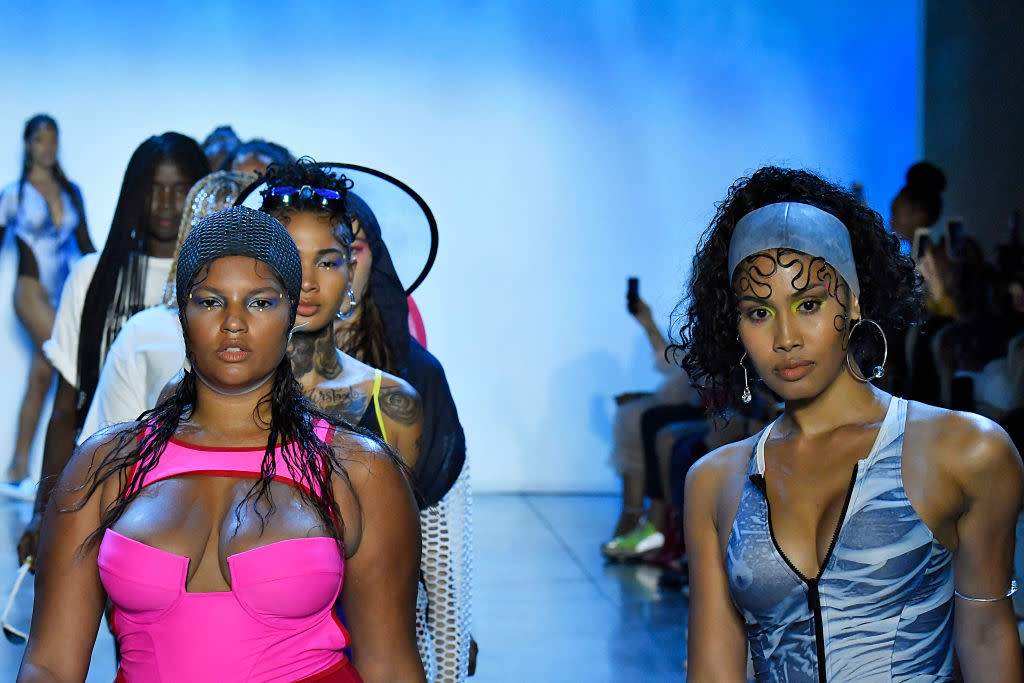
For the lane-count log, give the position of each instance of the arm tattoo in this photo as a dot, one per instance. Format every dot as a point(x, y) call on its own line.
point(400, 406)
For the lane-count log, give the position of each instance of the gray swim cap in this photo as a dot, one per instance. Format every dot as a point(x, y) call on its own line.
point(792, 225)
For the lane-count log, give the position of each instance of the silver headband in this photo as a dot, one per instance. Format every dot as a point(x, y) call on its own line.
point(791, 225)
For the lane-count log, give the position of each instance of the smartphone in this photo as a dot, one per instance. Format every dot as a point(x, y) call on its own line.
point(954, 236)
point(632, 293)
point(922, 237)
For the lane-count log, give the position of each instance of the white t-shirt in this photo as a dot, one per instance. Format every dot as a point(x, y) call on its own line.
point(146, 354)
point(62, 347)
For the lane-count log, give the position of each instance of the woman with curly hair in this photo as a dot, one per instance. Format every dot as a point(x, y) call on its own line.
point(226, 525)
point(313, 206)
point(835, 542)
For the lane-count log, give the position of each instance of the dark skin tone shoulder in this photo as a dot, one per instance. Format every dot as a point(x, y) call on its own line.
point(342, 387)
point(237, 324)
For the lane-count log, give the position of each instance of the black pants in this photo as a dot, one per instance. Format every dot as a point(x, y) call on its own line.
point(651, 422)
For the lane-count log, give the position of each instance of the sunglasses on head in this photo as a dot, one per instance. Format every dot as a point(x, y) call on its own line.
point(305, 196)
point(12, 634)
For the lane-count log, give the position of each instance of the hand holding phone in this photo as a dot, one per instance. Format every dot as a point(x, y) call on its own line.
point(922, 238)
point(954, 236)
point(632, 294)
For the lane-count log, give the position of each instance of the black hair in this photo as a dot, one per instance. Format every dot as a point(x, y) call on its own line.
point(923, 189)
point(370, 339)
point(709, 348)
point(117, 289)
point(278, 154)
point(306, 171)
point(223, 138)
point(31, 126)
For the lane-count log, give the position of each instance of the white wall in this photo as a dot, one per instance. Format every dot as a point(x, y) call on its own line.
point(563, 147)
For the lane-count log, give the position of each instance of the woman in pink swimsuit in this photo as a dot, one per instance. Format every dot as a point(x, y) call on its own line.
point(222, 525)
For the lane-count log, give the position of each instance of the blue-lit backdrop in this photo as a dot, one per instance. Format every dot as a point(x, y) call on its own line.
point(563, 147)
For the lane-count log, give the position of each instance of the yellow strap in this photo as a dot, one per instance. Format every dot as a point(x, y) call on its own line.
point(376, 404)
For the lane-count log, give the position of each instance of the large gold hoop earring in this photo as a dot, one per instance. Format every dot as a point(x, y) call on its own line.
point(879, 370)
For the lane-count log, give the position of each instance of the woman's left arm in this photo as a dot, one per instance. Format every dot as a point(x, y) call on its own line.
point(382, 537)
point(989, 471)
point(403, 419)
point(85, 245)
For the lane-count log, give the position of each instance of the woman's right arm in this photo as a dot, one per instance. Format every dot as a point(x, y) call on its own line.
point(69, 597)
point(716, 643)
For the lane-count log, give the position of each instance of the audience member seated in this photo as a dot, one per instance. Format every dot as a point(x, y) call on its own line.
point(639, 531)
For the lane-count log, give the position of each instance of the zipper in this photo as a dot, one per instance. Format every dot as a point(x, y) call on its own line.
point(813, 594)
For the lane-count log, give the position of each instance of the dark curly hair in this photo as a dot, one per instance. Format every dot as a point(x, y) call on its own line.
point(306, 171)
point(707, 320)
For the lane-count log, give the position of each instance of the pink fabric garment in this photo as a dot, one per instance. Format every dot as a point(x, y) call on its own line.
point(416, 327)
point(277, 622)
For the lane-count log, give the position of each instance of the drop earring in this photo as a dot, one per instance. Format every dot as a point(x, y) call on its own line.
point(746, 396)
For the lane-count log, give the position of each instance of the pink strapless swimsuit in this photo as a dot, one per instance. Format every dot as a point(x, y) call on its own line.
point(277, 622)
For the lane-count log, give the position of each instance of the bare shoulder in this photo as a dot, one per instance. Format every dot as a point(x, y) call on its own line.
point(399, 401)
point(371, 487)
point(365, 460)
point(396, 384)
point(92, 456)
point(724, 464)
point(964, 443)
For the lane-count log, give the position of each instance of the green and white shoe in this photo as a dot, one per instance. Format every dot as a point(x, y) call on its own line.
point(638, 542)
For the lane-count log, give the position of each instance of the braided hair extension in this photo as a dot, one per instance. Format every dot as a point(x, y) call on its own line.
point(119, 293)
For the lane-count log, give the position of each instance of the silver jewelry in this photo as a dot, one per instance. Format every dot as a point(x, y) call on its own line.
point(746, 396)
point(879, 370)
point(298, 328)
point(186, 364)
point(351, 306)
point(1013, 589)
